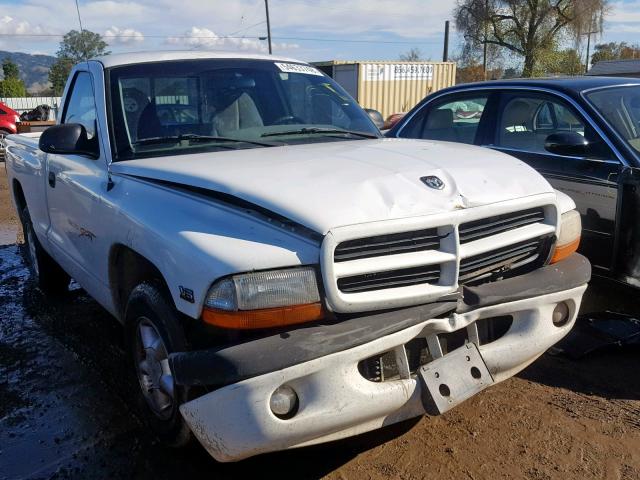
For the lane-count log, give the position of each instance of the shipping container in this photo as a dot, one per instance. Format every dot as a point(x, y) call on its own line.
point(390, 87)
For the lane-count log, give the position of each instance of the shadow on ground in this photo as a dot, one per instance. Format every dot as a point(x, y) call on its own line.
point(611, 371)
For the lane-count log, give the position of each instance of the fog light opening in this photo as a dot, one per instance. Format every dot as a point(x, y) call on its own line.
point(284, 402)
point(561, 314)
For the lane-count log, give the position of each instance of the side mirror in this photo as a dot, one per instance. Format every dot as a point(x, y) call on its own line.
point(567, 143)
point(376, 116)
point(69, 138)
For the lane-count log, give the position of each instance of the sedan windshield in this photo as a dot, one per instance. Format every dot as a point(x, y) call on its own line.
point(191, 106)
point(620, 106)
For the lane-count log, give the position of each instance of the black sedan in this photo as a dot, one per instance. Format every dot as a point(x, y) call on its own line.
point(582, 134)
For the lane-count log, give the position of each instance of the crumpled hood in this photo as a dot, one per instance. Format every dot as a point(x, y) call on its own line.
point(327, 185)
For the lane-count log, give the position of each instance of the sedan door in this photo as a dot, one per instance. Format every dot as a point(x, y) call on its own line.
point(523, 123)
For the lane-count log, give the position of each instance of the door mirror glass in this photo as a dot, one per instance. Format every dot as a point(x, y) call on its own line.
point(69, 138)
point(570, 144)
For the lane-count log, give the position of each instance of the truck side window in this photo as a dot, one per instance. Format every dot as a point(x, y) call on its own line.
point(81, 107)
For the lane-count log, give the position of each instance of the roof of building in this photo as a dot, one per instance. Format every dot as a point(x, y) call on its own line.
point(615, 67)
point(120, 59)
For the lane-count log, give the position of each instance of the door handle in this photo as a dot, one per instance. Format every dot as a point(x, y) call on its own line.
point(52, 180)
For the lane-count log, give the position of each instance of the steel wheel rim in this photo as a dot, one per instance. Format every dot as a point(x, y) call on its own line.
point(152, 368)
point(31, 246)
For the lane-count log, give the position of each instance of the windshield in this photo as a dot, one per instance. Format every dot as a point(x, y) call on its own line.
point(172, 108)
point(621, 108)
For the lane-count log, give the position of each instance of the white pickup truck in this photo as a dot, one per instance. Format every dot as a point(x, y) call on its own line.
point(285, 275)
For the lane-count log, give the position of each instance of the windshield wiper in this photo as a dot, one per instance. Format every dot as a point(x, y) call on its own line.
point(192, 137)
point(321, 130)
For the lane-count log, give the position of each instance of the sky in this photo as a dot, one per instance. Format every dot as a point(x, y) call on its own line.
point(311, 30)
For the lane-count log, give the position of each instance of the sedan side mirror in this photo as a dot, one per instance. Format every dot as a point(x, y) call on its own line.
point(69, 138)
point(567, 143)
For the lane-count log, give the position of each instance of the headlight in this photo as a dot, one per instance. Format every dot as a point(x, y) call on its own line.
point(16, 119)
point(568, 237)
point(264, 299)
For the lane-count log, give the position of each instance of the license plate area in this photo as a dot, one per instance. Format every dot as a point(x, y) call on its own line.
point(453, 378)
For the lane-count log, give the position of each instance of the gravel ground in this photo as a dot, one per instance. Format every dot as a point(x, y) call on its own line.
point(64, 410)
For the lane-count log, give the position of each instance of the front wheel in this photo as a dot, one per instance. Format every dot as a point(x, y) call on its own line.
point(154, 331)
point(49, 276)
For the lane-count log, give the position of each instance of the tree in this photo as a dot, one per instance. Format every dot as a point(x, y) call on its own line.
point(74, 48)
point(58, 74)
point(10, 69)
point(470, 73)
point(473, 71)
point(559, 62)
point(511, 73)
point(615, 51)
point(12, 85)
point(527, 28)
point(470, 64)
point(413, 55)
point(79, 46)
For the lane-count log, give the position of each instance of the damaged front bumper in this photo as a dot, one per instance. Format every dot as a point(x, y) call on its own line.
point(324, 365)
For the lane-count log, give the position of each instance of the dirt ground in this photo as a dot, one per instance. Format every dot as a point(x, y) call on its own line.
point(64, 409)
point(9, 225)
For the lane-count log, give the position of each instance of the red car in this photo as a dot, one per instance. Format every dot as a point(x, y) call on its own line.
point(8, 120)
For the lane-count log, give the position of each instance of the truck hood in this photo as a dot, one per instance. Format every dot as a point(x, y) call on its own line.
point(333, 184)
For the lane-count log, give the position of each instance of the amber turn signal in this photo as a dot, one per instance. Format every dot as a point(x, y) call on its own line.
point(263, 318)
point(563, 251)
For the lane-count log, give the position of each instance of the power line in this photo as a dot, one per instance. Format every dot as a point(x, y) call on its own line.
point(245, 28)
point(222, 37)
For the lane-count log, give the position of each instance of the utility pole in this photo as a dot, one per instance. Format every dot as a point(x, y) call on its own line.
point(445, 53)
point(486, 36)
point(588, 34)
point(266, 7)
point(586, 64)
point(592, 31)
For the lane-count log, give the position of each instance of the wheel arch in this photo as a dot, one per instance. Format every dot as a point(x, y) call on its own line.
point(18, 196)
point(128, 269)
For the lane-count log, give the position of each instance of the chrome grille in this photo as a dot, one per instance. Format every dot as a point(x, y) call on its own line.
point(390, 244)
point(392, 279)
point(487, 227)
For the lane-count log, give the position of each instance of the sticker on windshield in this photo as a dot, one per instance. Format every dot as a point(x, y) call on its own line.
point(297, 68)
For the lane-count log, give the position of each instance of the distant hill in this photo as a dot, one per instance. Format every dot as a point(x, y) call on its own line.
point(34, 69)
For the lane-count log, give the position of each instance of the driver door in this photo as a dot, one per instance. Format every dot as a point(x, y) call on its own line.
point(524, 121)
point(75, 184)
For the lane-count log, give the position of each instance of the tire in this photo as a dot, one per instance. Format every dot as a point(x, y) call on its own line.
point(48, 275)
point(153, 331)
